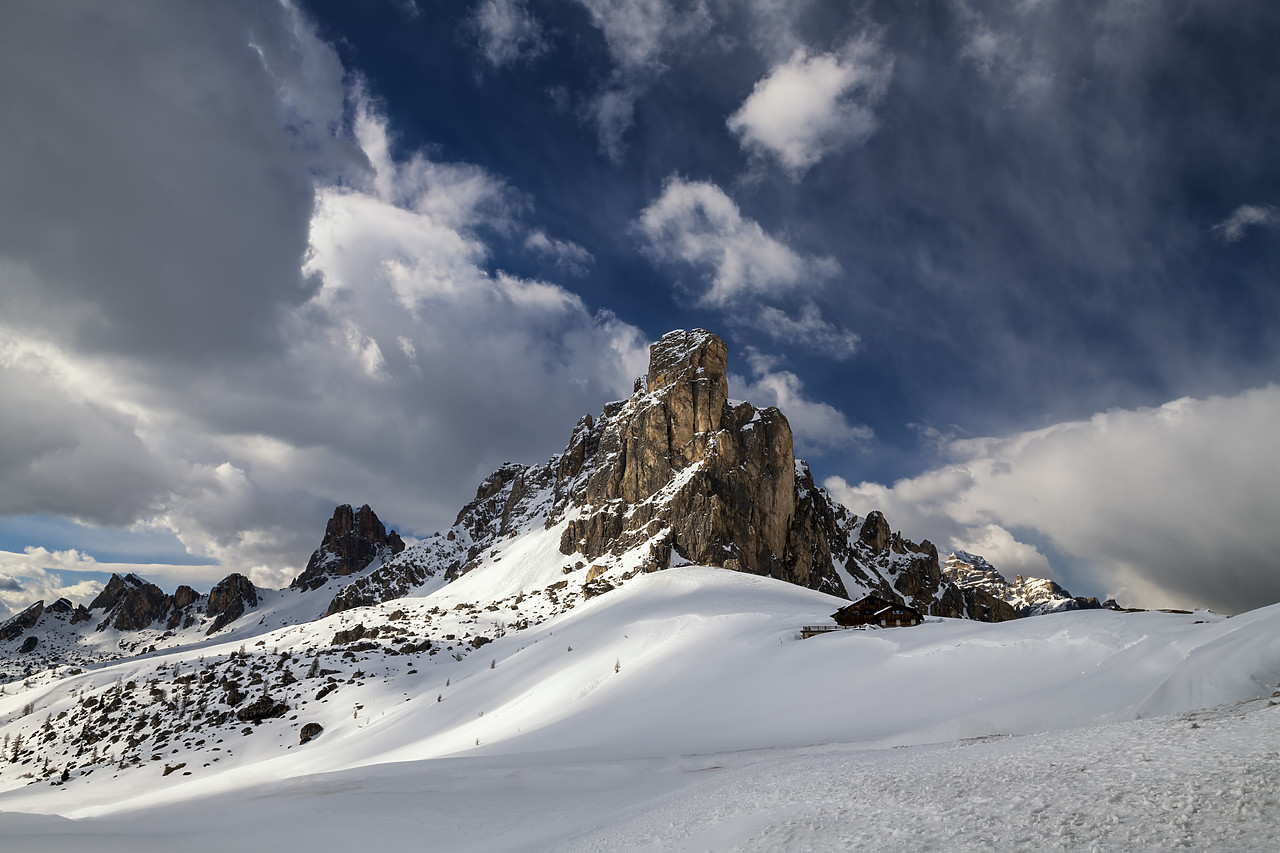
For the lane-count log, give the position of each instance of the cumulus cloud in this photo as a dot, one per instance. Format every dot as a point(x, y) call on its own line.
point(507, 31)
point(696, 224)
point(1167, 506)
point(814, 104)
point(1231, 229)
point(227, 305)
point(816, 426)
point(753, 277)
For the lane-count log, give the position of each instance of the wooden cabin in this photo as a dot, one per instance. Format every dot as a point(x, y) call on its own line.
point(874, 610)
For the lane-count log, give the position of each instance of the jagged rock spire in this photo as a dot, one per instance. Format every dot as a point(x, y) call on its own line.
point(352, 540)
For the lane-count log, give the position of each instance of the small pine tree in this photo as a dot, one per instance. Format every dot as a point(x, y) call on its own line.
point(493, 663)
point(617, 665)
point(440, 698)
point(314, 671)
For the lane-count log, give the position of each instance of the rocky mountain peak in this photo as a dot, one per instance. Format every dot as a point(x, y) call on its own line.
point(678, 473)
point(228, 600)
point(1029, 596)
point(352, 540)
point(680, 466)
point(683, 356)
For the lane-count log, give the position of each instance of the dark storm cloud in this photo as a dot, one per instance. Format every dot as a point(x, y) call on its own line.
point(164, 356)
point(65, 456)
point(150, 183)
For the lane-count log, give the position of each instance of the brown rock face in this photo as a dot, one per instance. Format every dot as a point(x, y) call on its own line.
point(131, 603)
point(228, 600)
point(680, 465)
point(21, 622)
point(352, 540)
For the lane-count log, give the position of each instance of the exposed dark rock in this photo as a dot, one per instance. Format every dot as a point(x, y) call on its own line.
point(228, 600)
point(184, 596)
point(173, 768)
point(131, 603)
point(29, 644)
point(262, 708)
point(596, 587)
point(352, 540)
point(310, 732)
point(477, 642)
point(21, 622)
point(350, 635)
point(62, 606)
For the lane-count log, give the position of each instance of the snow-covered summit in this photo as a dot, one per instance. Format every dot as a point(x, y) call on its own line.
point(1029, 596)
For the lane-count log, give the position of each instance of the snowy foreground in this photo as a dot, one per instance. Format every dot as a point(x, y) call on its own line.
point(681, 712)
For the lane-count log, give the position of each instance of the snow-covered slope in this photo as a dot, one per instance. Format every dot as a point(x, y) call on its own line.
point(687, 661)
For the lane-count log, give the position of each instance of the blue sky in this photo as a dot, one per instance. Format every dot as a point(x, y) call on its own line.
point(1010, 268)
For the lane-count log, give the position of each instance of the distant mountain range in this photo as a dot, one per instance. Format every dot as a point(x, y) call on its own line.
point(677, 474)
point(1028, 596)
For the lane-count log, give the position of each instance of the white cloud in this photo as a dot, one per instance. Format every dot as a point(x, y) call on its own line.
point(1169, 506)
point(806, 329)
point(1231, 229)
point(695, 223)
point(812, 105)
point(745, 271)
point(567, 255)
point(816, 426)
point(508, 33)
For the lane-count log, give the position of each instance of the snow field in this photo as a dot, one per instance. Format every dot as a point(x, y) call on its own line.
point(683, 707)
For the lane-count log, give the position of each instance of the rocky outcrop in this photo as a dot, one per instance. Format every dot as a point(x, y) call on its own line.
point(16, 625)
point(131, 603)
point(690, 472)
point(262, 708)
point(682, 474)
point(229, 599)
point(352, 540)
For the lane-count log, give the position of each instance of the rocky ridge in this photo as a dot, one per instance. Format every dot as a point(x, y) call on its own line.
point(680, 473)
point(1027, 595)
point(134, 612)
